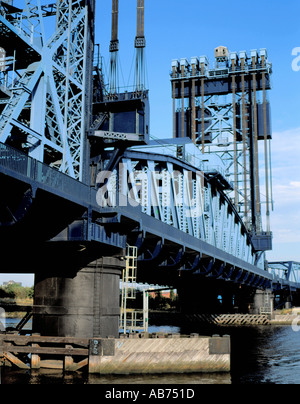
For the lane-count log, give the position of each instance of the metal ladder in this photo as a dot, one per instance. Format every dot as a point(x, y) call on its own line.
point(130, 319)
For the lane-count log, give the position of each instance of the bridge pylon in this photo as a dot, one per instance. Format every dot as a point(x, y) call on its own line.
point(46, 82)
point(82, 302)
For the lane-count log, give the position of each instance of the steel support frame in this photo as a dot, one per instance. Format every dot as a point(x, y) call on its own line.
point(179, 197)
point(287, 270)
point(57, 86)
point(237, 147)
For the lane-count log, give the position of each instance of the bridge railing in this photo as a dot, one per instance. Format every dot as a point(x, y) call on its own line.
point(26, 166)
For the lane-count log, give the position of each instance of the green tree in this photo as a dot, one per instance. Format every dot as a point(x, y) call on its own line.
point(15, 291)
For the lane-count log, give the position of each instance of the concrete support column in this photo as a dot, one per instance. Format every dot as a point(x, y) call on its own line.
point(83, 304)
point(263, 299)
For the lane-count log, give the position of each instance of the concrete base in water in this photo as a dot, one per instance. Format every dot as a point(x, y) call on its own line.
point(111, 356)
point(160, 355)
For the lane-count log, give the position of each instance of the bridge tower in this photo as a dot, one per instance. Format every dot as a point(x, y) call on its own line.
point(46, 86)
point(114, 49)
point(225, 110)
point(120, 119)
point(57, 111)
point(46, 91)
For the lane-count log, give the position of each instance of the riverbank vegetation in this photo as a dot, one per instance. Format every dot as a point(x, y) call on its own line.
point(15, 292)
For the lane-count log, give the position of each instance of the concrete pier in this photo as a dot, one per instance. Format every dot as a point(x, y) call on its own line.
point(175, 354)
point(84, 304)
point(160, 355)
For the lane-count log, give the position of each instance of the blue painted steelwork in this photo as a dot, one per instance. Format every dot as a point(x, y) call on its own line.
point(217, 108)
point(115, 225)
point(286, 270)
point(178, 216)
point(180, 196)
point(43, 68)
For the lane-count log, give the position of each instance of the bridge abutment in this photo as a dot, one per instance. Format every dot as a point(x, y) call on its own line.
point(85, 303)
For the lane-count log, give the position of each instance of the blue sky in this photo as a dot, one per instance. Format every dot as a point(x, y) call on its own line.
point(176, 29)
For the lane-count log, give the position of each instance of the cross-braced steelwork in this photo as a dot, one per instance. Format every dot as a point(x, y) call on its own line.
point(46, 82)
point(225, 111)
point(181, 197)
point(287, 270)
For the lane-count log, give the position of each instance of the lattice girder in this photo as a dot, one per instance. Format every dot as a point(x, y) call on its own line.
point(59, 86)
point(180, 198)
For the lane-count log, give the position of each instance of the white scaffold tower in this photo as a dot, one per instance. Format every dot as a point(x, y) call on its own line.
point(132, 319)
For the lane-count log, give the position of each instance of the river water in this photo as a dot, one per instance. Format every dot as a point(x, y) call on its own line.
point(260, 355)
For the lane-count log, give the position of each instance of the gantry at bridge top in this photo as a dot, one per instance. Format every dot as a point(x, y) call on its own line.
point(225, 111)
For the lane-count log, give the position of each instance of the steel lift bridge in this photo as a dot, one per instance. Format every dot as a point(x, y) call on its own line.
point(77, 187)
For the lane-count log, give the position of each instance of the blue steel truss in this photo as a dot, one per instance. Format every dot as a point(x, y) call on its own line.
point(178, 195)
point(287, 270)
point(179, 217)
point(49, 76)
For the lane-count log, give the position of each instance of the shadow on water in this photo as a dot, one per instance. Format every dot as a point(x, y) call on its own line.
point(260, 355)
